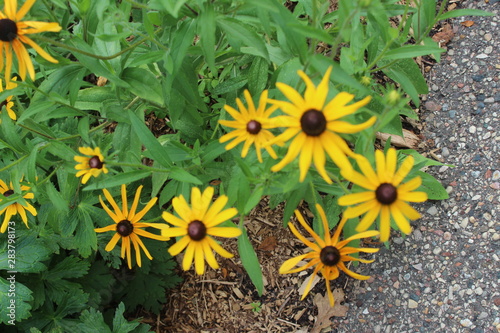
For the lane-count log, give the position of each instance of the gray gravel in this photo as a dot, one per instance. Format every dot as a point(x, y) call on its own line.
point(445, 276)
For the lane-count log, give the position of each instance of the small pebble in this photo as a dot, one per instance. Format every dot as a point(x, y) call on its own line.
point(472, 129)
point(432, 210)
point(466, 322)
point(412, 304)
point(447, 235)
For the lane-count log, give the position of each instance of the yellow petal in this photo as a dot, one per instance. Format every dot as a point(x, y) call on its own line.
point(224, 232)
point(290, 263)
point(188, 256)
point(179, 246)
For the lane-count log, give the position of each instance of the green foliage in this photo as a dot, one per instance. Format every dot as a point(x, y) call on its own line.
point(147, 82)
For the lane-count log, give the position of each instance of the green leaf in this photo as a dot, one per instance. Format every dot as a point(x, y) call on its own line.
point(411, 51)
point(92, 321)
point(117, 180)
point(464, 12)
point(94, 98)
point(206, 31)
point(147, 138)
point(253, 200)
point(183, 176)
point(242, 34)
point(120, 324)
point(172, 6)
point(312, 32)
point(143, 84)
point(15, 300)
point(26, 255)
point(250, 261)
point(432, 187)
point(257, 76)
point(230, 85)
point(407, 73)
point(69, 267)
point(292, 202)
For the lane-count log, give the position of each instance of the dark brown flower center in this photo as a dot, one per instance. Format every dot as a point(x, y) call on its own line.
point(313, 122)
point(8, 193)
point(386, 194)
point(8, 30)
point(95, 162)
point(253, 127)
point(124, 228)
point(329, 255)
point(197, 230)
point(4, 102)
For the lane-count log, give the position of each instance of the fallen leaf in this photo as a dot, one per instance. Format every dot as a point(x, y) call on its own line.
point(268, 244)
point(325, 311)
point(445, 35)
point(101, 81)
point(409, 139)
point(468, 23)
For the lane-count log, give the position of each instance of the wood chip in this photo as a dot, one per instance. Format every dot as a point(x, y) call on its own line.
point(468, 23)
point(409, 139)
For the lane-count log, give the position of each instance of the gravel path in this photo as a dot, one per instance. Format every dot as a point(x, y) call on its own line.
point(445, 276)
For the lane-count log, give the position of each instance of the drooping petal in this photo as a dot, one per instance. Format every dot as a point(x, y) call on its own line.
point(179, 246)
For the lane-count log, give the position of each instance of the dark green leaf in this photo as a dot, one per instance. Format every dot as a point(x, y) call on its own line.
point(143, 84)
point(464, 12)
point(250, 261)
point(117, 180)
point(432, 187)
point(147, 138)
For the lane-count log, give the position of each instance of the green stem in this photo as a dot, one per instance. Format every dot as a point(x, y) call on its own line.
point(140, 166)
point(94, 129)
point(337, 180)
point(14, 163)
point(76, 50)
point(35, 131)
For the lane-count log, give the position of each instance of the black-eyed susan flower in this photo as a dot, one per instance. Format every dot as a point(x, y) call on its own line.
point(328, 255)
point(128, 225)
point(13, 36)
point(315, 126)
point(386, 195)
point(196, 225)
point(8, 101)
point(90, 165)
point(251, 126)
point(16, 208)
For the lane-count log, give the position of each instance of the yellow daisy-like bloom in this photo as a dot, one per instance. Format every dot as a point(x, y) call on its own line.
point(8, 101)
point(328, 254)
point(128, 226)
point(251, 126)
point(15, 208)
point(315, 124)
point(90, 165)
point(196, 224)
point(13, 33)
point(386, 196)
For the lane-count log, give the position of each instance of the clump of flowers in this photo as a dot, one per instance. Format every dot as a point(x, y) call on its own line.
point(128, 225)
point(90, 165)
point(386, 195)
point(328, 255)
point(13, 36)
point(197, 224)
point(16, 208)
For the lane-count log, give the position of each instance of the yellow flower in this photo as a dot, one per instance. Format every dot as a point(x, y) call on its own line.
point(328, 254)
point(15, 208)
point(314, 124)
point(386, 196)
point(251, 126)
point(90, 166)
point(128, 226)
point(13, 33)
point(8, 101)
point(197, 223)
